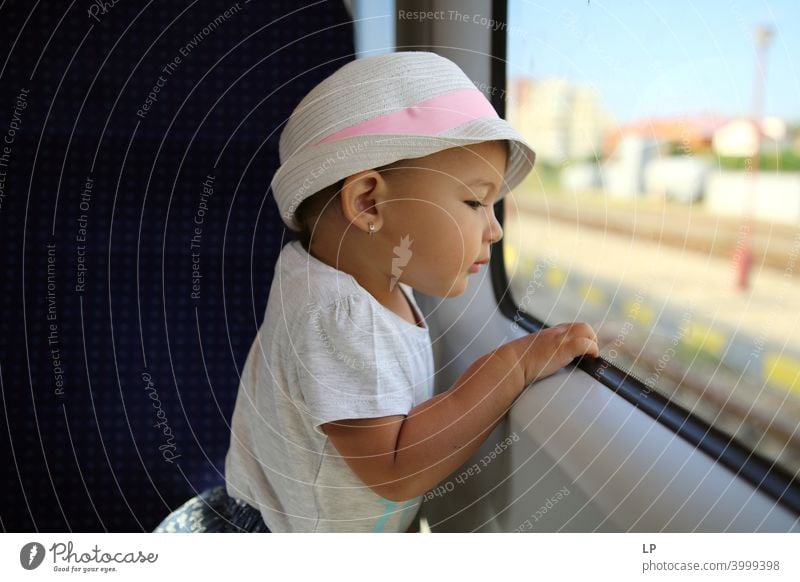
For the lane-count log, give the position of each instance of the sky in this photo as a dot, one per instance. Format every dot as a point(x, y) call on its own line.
point(648, 58)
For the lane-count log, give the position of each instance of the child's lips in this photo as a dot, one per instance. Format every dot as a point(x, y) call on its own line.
point(477, 265)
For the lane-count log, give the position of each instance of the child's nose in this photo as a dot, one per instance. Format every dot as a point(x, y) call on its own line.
point(495, 230)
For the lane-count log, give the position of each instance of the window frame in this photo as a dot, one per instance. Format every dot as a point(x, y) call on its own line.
point(762, 473)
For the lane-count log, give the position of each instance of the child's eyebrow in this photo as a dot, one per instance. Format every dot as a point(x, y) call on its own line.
point(482, 182)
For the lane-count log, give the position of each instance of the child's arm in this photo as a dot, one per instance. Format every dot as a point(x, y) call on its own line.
point(402, 457)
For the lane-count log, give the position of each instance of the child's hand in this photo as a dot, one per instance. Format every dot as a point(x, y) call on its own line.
point(543, 353)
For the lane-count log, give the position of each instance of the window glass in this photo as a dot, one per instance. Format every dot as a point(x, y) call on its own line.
point(665, 204)
point(373, 27)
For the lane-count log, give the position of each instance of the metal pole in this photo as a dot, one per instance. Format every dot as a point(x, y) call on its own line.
point(744, 250)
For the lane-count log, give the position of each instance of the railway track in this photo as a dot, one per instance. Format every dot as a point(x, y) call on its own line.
point(677, 226)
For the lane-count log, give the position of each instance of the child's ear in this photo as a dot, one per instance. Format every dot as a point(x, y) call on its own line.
point(361, 198)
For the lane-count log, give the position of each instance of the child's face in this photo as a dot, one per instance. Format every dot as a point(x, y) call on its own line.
point(443, 204)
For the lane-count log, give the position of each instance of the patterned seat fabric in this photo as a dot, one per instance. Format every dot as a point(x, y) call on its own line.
point(139, 237)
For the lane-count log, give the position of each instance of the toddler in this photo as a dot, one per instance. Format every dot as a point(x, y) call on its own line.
point(389, 171)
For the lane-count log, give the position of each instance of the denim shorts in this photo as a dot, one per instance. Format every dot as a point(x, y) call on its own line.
point(213, 511)
point(244, 517)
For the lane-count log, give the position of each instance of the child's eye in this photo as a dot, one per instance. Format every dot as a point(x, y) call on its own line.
point(475, 204)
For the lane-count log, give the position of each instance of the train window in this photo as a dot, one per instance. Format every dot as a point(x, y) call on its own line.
point(373, 26)
point(664, 208)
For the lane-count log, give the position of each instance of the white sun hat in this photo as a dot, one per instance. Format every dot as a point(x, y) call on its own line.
point(375, 111)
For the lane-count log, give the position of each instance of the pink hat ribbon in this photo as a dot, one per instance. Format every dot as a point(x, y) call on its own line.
point(430, 117)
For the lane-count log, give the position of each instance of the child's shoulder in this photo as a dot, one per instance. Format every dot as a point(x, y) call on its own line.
point(305, 285)
point(307, 292)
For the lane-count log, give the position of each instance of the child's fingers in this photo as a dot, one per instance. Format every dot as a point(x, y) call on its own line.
point(581, 329)
point(580, 335)
point(588, 339)
point(587, 346)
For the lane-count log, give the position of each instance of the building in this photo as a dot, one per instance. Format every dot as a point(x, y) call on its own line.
point(561, 120)
point(740, 137)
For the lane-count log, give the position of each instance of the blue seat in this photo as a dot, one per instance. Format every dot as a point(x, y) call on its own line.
point(120, 353)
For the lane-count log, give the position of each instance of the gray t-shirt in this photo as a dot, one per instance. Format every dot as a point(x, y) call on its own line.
point(327, 350)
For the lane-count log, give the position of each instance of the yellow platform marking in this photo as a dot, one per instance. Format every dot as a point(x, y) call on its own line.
point(555, 277)
point(782, 371)
point(639, 312)
point(592, 294)
point(710, 340)
point(511, 256)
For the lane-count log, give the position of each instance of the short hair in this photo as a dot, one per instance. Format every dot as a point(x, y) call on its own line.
point(311, 209)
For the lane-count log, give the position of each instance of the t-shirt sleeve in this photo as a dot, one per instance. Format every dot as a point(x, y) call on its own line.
point(350, 362)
